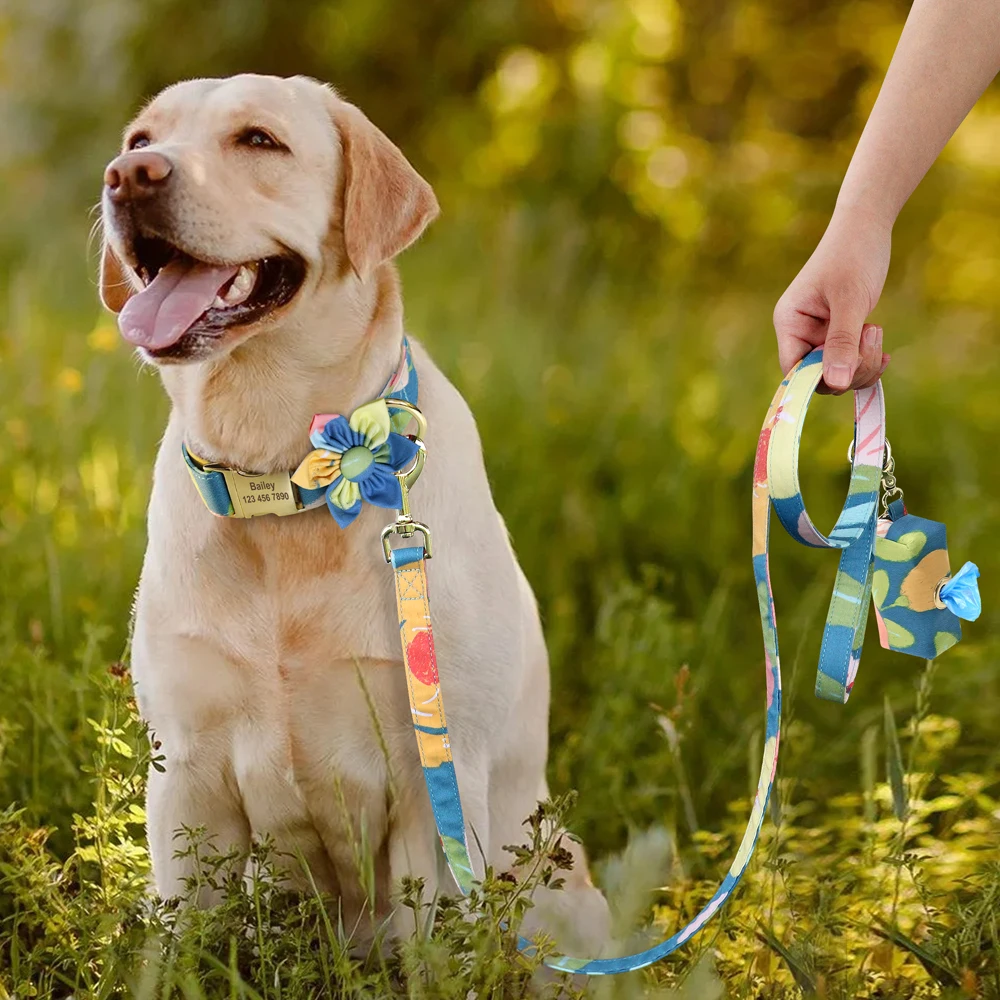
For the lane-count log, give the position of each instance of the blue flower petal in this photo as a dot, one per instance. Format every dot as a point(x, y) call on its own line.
point(961, 593)
point(381, 488)
point(401, 450)
point(341, 516)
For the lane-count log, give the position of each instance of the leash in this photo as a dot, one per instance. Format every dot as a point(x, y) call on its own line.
point(775, 485)
point(897, 559)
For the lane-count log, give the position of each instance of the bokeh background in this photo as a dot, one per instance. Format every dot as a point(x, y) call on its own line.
point(627, 186)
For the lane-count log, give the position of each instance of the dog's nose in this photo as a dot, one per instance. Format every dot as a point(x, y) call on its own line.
point(137, 174)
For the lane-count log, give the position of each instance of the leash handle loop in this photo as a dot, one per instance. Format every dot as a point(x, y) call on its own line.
point(854, 532)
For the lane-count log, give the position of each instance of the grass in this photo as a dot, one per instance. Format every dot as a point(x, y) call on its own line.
point(619, 423)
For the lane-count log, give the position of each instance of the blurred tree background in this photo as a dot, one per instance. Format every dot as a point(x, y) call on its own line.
point(687, 141)
point(627, 186)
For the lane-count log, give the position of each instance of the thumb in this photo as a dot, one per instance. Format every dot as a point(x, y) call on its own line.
point(840, 349)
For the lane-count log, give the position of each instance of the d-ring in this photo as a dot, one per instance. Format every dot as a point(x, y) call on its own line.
point(413, 474)
point(886, 455)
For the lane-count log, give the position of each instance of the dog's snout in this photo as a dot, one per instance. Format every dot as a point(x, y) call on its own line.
point(137, 174)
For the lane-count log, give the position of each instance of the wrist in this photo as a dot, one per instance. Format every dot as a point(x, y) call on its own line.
point(856, 212)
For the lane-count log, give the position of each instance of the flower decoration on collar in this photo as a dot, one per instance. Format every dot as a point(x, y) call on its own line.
point(356, 460)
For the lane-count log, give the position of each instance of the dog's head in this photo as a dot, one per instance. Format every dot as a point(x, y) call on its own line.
point(232, 197)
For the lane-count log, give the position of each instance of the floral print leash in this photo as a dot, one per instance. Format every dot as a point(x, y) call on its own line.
point(859, 533)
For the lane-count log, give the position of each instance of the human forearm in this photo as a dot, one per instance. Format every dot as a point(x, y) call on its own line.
point(948, 53)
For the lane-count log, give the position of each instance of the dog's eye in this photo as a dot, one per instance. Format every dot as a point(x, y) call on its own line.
point(257, 138)
point(139, 140)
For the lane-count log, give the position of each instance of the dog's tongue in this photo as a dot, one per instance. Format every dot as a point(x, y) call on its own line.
point(161, 313)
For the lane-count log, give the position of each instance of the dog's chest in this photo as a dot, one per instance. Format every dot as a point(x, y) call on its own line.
point(286, 593)
point(301, 610)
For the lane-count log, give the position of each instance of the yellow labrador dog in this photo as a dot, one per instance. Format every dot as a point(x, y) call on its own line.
point(249, 230)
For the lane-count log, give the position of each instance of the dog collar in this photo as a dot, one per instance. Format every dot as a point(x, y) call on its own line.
point(354, 460)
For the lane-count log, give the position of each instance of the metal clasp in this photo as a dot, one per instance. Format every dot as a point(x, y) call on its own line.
point(404, 524)
point(890, 489)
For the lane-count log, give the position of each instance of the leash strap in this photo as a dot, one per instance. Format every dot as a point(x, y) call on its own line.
point(427, 709)
point(775, 484)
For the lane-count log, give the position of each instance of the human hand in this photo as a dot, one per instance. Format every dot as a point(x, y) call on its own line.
point(829, 300)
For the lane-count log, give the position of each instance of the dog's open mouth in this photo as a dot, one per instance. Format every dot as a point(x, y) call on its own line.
point(188, 303)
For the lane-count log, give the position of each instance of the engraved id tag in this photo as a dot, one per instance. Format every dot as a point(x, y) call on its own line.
point(252, 496)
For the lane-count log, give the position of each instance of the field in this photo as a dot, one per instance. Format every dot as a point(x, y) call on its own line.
point(630, 510)
point(614, 342)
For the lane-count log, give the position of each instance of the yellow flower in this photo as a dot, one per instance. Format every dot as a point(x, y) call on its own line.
point(70, 380)
point(103, 338)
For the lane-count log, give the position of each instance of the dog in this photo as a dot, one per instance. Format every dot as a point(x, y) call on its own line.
point(250, 226)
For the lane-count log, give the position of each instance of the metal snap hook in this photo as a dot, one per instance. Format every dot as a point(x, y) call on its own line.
point(404, 524)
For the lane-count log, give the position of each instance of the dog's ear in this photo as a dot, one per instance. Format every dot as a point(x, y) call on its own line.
point(116, 289)
point(386, 203)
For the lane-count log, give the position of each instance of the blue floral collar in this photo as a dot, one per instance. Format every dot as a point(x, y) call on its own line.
point(353, 461)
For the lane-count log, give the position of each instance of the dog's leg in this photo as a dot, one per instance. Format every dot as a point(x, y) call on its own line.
point(414, 851)
point(190, 695)
point(414, 847)
point(476, 807)
point(192, 792)
point(577, 915)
